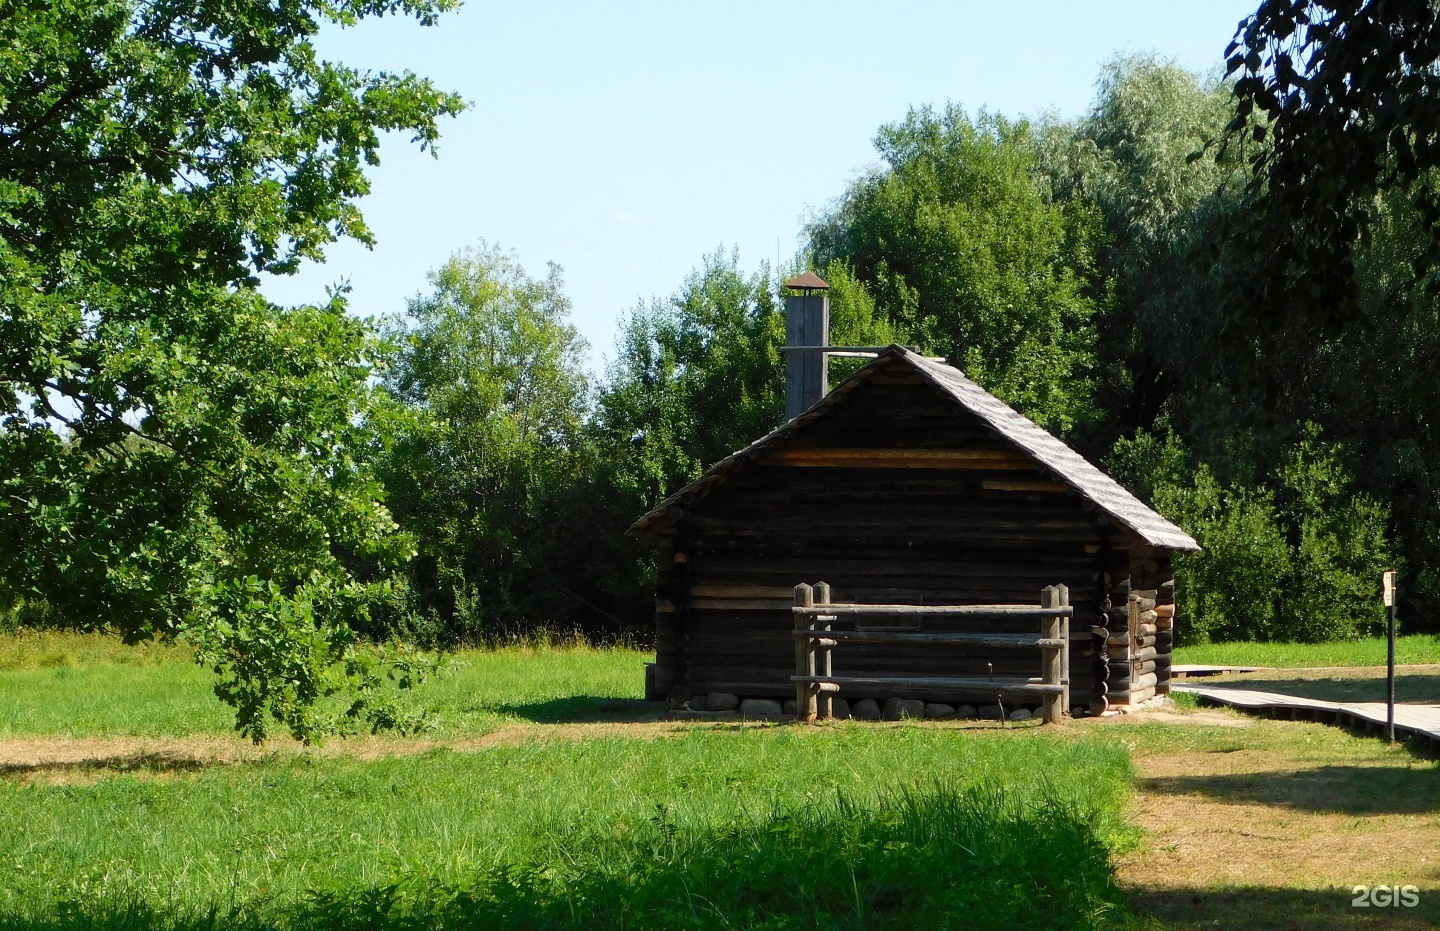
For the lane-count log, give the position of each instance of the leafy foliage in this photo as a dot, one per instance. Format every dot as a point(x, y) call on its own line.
point(963, 246)
point(519, 490)
point(700, 375)
point(491, 375)
point(1293, 559)
point(1344, 94)
point(176, 454)
point(179, 457)
point(1133, 156)
point(695, 377)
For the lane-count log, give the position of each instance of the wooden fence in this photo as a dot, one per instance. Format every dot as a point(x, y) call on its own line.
point(816, 639)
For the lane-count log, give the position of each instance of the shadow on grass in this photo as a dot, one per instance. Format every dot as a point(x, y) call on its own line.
point(128, 763)
point(1257, 908)
point(1414, 689)
point(981, 857)
point(1355, 790)
point(582, 708)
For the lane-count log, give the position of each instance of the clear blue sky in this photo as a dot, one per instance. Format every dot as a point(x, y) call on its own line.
point(625, 141)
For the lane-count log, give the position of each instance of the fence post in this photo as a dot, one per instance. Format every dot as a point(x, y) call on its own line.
point(1050, 657)
point(1064, 591)
point(826, 706)
point(804, 658)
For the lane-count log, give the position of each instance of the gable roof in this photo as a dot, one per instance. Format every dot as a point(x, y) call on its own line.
point(1068, 465)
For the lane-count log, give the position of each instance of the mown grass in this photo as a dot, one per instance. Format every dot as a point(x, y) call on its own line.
point(82, 685)
point(1270, 824)
point(846, 827)
point(1412, 649)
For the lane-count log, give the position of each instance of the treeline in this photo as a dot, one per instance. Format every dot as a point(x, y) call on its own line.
point(1224, 293)
point(464, 478)
point(1081, 271)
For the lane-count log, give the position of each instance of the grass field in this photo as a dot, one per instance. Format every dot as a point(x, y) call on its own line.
point(548, 796)
point(610, 828)
point(91, 685)
point(1415, 649)
point(664, 825)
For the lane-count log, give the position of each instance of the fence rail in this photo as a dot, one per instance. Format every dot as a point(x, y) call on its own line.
point(816, 639)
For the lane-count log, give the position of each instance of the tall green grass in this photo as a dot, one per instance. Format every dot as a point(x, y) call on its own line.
point(1415, 648)
point(52, 649)
point(944, 857)
point(83, 685)
point(852, 827)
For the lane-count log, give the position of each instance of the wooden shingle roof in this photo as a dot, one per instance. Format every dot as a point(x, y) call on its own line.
point(1066, 464)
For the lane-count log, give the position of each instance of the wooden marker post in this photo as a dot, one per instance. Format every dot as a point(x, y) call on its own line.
point(1390, 662)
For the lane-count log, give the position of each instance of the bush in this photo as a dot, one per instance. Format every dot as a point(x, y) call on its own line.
point(1297, 558)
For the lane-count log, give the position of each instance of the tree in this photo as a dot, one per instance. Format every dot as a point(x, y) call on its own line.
point(177, 455)
point(963, 246)
point(1132, 156)
point(695, 377)
point(1292, 541)
point(1343, 93)
point(1290, 558)
point(493, 372)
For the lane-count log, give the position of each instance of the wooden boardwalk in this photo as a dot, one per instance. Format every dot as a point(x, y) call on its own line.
point(1419, 721)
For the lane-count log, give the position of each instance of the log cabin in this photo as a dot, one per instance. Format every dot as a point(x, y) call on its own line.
point(908, 484)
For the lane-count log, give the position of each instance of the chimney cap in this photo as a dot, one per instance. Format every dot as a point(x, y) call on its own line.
point(809, 281)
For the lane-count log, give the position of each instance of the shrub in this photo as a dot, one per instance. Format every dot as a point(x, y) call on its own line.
point(1296, 558)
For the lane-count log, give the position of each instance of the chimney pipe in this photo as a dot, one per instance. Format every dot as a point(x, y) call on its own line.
point(807, 324)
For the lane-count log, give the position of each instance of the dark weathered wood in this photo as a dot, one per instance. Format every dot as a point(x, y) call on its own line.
point(807, 323)
point(876, 454)
point(1031, 486)
point(804, 655)
point(879, 533)
point(922, 637)
point(939, 611)
point(722, 562)
point(1065, 635)
point(1052, 600)
point(826, 665)
point(940, 682)
point(748, 671)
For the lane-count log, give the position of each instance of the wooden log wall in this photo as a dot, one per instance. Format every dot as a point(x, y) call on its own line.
point(1139, 658)
point(1110, 661)
point(670, 593)
point(1164, 621)
point(897, 496)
